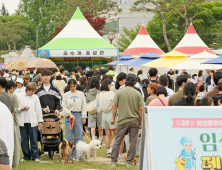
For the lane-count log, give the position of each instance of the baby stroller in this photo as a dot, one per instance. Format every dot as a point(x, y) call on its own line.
point(51, 134)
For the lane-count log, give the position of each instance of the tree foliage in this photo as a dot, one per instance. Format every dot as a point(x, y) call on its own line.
point(98, 8)
point(4, 11)
point(40, 12)
point(13, 28)
point(127, 37)
point(207, 24)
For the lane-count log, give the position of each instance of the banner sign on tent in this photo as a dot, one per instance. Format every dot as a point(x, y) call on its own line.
point(185, 138)
point(78, 53)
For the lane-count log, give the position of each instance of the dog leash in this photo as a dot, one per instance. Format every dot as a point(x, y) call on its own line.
point(82, 130)
point(71, 122)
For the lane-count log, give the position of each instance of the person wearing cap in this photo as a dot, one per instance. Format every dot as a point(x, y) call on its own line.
point(187, 153)
point(20, 88)
point(60, 83)
point(13, 76)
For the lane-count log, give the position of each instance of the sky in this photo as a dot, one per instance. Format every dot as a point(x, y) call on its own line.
point(11, 5)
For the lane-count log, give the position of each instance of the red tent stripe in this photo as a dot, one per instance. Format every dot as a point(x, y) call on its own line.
point(142, 31)
point(191, 30)
point(194, 50)
point(138, 51)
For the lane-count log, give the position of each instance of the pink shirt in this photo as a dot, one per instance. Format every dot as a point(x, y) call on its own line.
point(157, 102)
point(199, 80)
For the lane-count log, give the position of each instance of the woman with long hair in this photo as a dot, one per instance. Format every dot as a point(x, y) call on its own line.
point(94, 119)
point(74, 106)
point(189, 92)
point(105, 104)
point(199, 79)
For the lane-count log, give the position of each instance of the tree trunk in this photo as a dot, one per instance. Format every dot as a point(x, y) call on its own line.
point(9, 49)
point(14, 45)
point(187, 24)
point(165, 34)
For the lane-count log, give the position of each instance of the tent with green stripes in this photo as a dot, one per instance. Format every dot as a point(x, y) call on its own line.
point(78, 39)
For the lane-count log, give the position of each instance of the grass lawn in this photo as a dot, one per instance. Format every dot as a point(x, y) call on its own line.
point(100, 163)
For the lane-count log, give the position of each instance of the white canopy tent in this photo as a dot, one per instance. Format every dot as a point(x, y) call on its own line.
point(196, 61)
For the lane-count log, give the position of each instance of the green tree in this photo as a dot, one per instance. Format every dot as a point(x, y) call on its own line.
point(40, 12)
point(13, 28)
point(207, 24)
point(101, 8)
point(127, 37)
point(4, 11)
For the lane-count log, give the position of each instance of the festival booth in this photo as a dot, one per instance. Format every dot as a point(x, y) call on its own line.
point(181, 138)
point(192, 44)
point(167, 60)
point(78, 44)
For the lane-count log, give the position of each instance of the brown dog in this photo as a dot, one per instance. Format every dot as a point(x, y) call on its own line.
point(66, 150)
point(135, 160)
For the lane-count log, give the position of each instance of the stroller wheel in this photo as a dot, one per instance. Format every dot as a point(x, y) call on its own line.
point(51, 154)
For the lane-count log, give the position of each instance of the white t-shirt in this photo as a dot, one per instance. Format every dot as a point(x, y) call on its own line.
point(19, 90)
point(47, 88)
point(170, 92)
point(7, 130)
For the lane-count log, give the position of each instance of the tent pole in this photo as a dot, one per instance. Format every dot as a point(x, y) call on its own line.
point(142, 73)
point(92, 62)
point(174, 83)
point(205, 85)
point(77, 61)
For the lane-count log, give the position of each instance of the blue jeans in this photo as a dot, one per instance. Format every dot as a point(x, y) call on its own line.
point(29, 133)
point(75, 132)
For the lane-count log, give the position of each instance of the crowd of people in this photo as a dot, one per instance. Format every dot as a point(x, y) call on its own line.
point(120, 98)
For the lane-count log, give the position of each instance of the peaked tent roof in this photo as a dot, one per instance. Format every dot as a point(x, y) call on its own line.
point(142, 44)
point(78, 39)
point(192, 43)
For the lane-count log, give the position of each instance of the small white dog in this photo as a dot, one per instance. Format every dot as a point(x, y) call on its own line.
point(83, 149)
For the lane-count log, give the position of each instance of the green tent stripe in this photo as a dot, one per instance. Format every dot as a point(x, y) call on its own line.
point(78, 43)
point(78, 15)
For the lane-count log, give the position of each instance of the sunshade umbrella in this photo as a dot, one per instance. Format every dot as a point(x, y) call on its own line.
point(3, 66)
point(18, 65)
point(196, 61)
point(41, 63)
point(216, 61)
point(168, 59)
point(145, 58)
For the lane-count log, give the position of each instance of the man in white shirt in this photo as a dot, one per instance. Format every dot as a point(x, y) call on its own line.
point(20, 88)
point(7, 130)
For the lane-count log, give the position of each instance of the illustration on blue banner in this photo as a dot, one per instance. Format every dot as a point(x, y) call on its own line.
point(43, 53)
point(187, 153)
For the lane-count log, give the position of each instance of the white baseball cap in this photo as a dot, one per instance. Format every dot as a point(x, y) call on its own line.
point(20, 80)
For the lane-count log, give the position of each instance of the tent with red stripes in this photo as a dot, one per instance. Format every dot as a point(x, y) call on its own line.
point(191, 43)
point(142, 44)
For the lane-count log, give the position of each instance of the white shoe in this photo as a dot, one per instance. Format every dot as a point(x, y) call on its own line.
point(22, 160)
point(37, 160)
point(120, 159)
point(108, 155)
point(46, 153)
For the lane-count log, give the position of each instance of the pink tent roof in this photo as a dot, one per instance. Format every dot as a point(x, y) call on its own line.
point(142, 44)
point(192, 43)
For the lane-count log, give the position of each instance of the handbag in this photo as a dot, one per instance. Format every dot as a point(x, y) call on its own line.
point(92, 107)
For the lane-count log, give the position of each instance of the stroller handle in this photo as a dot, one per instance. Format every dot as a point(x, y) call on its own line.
point(51, 114)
